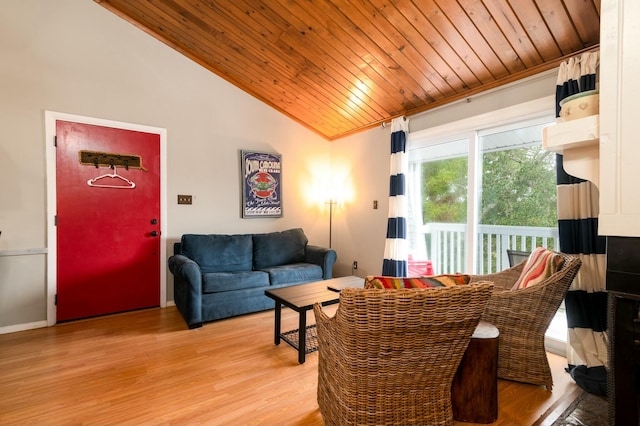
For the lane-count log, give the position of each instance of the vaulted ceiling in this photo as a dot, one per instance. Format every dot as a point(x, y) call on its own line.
point(342, 66)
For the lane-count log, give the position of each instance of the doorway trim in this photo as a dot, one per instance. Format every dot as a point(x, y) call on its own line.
point(50, 131)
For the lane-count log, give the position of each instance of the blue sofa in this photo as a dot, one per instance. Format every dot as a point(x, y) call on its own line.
point(219, 276)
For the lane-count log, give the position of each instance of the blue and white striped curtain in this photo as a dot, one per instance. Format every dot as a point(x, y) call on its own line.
point(578, 208)
point(395, 248)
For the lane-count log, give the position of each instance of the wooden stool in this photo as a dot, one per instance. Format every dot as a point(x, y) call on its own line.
point(474, 391)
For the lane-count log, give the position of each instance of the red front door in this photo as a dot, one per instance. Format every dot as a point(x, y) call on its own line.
point(108, 244)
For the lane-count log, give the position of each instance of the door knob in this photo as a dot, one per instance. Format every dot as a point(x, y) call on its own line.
point(154, 233)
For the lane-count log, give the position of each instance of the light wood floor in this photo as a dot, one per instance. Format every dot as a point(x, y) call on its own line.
point(146, 367)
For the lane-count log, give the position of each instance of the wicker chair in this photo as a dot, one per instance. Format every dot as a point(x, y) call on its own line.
point(523, 317)
point(389, 357)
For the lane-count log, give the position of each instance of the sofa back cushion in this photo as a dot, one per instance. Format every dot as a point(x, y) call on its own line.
point(279, 248)
point(219, 253)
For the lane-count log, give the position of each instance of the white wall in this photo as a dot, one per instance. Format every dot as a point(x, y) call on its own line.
point(76, 57)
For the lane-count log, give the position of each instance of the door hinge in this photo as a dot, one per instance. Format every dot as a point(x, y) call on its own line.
point(55, 220)
point(56, 301)
point(55, 141)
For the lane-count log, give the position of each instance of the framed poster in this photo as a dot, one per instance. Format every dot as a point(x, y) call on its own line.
point(261, 174)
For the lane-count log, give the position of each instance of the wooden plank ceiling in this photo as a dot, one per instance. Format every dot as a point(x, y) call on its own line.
point(342, 66)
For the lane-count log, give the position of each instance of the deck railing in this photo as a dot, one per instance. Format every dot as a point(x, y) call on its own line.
point(445, 245)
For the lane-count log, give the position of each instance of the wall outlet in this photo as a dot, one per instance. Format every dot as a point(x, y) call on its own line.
point(185, 199)
point(355, 264)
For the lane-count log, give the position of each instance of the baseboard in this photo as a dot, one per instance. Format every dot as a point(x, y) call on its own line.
point(555, 346)
point(22, 327)
point(41, 324)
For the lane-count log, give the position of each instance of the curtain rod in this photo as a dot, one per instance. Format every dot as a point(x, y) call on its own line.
point(383, 124)
point(468, 98)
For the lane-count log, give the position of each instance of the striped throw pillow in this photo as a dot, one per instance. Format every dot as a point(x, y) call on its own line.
point(541, 264)
point(416, 282)
point(447, 280)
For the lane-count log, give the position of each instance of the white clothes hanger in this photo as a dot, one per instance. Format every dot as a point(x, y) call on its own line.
point(114, 175)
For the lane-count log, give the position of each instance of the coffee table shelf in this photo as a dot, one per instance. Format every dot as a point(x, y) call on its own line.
point(310, 341)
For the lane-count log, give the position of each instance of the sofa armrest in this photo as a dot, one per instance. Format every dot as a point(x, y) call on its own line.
point(322, 256)
point(187, 288)
point(185, 268)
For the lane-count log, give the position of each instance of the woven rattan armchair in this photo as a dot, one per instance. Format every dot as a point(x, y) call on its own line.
point(523, 317)
point(388, 357)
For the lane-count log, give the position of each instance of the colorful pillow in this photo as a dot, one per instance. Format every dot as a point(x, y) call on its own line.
point(393, 282)
point(447, 280)
point(416, 282)
point(540, 265)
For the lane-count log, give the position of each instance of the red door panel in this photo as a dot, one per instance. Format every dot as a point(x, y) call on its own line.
point(108, 242)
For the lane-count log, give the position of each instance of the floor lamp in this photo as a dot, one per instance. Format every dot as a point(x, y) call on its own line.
point(331, 203)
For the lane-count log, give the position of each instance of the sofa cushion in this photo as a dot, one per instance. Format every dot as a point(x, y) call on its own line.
point(215, 282)
point(541, 264)
point(416, 282)
point(295, 273)
point(278, 248)
point(219, 253)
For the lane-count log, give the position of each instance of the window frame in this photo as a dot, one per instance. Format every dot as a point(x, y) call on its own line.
point(471, 129)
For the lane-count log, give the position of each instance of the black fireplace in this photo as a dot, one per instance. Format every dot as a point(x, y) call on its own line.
point(623, 286)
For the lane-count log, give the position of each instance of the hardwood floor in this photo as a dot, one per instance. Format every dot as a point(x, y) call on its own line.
point(146, 367)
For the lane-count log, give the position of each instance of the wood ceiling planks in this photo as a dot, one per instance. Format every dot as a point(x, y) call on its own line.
point(339, 67)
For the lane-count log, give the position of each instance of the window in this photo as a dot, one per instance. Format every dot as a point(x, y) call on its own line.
point(438, 204)
point(517, 204)
point(480, 190)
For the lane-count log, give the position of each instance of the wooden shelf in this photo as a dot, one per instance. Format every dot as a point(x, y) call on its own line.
point(579, 142)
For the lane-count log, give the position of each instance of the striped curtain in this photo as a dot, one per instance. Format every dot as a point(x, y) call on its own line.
point(395, 248)
point(578, 208)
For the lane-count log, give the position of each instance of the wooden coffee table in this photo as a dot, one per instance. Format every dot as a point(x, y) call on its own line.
point(301, 299)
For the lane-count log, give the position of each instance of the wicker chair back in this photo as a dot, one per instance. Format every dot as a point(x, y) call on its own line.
point(388, 357)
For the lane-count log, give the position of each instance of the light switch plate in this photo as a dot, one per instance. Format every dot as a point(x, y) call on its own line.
point(185, 199)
